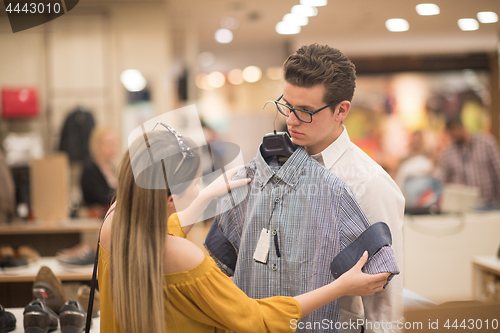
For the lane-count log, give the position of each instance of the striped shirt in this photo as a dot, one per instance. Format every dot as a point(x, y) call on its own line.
point(311, 214)
point(477, 163)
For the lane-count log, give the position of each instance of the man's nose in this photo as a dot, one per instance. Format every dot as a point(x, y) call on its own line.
point(292, 120)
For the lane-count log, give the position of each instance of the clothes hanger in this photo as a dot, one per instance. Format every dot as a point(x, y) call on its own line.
point(277, 144)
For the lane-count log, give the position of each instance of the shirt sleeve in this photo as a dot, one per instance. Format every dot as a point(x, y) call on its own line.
point(213, 299)
point(227, 226)
point(353, 223)
point(383, 201)
point(494, 163)
point(174, 226)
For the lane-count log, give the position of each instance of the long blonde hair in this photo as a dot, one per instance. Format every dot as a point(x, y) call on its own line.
point(139, 228)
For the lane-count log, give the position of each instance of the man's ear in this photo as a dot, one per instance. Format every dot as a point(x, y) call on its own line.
point(343, 109)
point(170, 201)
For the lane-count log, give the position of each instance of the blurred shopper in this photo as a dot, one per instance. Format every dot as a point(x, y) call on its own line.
point(7, 192)
point(415, 177)
point(98, 180)
point(153, 281)
point(472, 160)
point(317, 93)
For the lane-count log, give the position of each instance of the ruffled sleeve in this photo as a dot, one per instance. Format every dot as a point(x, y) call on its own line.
point(174, 226)
point(207, 295)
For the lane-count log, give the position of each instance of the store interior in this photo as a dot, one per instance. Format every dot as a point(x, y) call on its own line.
point(121, 63)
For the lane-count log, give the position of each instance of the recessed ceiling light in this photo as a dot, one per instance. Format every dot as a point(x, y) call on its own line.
point(285, 28)
point(224, 36)
point(235, 76)
point(303, 10)
point(296, 19)
point(229, 22)
point(216, 79)
point(314, 3)
point(427, 9)
point(468, 24)
point(133, 80)
point(397, 25)
point(252, 74)
point(487, 17)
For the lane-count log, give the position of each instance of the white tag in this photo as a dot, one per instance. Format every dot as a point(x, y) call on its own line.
point(262, 250)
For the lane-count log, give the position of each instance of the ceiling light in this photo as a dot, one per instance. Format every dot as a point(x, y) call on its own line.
point(201, 82)
point(427, 9)
point(229, 22)
point(252, 74)
point(314, 3)
point(468, 24)
point(206, 59)
point(487, 17)
point(274, 73)
point(303, 10)
point(235, 76)
point(133, 80)
point(223, 36)
point(216, 79)
point(286, 28)
point(296, 19)
point(397, 25)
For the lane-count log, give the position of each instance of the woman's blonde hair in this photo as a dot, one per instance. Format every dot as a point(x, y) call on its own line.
point(139, 228)
point(96, 137)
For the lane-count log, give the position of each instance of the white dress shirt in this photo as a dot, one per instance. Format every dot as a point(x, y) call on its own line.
point(381, 200)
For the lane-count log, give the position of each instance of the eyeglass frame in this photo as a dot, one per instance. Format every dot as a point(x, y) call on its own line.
point(185, 149)
point(311, 113)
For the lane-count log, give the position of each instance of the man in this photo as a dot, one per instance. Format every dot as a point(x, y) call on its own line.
point(317, 93)
point(472, 160)
point(317, 75)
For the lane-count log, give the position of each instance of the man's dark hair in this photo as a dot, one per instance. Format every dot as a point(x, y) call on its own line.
point(315, 64)
point(453, 121)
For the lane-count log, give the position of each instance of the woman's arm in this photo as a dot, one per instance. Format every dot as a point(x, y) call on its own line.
point(353, 282)
point(218, 187)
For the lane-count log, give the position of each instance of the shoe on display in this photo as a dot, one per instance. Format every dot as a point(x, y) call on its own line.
point(72, 317)
point(10, 259)
point(7, 321)
point(28, 253)
point(84, 256)
point(38, 318)
point(83, 298)
point(48, 287)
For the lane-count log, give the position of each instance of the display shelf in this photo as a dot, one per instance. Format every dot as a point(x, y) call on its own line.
point(486, 279)
point(64, 272)
point(60, 227)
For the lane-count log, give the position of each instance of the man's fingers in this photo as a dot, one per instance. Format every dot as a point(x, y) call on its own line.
point(237, 183)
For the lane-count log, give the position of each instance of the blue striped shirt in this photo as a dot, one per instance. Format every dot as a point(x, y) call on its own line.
point(312, 216)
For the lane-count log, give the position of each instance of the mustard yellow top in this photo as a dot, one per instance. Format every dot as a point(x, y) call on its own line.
point(204, 299)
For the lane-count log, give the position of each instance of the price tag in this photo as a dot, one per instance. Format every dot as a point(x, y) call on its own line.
point(262, 251)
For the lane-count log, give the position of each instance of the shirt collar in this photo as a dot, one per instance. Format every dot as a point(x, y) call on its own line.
point(332, 153)
point(289, 172)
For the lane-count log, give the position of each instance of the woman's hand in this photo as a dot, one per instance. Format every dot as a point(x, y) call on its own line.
point(219, 186)
point(356, 283)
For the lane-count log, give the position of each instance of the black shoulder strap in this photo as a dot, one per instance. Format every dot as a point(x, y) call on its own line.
point(94, 277)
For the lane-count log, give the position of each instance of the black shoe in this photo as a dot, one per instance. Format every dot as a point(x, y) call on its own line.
point(7, 321)
point(73, 317)
point(38, 318)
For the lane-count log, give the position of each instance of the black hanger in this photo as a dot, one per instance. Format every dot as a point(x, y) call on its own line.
point(277, 144)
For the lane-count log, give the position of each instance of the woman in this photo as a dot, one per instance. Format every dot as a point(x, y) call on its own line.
point(152, 281)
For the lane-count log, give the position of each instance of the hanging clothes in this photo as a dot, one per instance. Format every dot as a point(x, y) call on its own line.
point(75, 134)
point(311, 216)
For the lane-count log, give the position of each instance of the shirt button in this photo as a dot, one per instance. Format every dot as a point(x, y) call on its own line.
point(275, 267)
point(277, 200)
point(274, 232)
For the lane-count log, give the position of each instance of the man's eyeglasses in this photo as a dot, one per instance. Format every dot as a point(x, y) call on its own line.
point(186, 151)
point(302, 115)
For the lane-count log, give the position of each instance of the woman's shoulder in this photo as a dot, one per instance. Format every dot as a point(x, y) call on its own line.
point(181, 255)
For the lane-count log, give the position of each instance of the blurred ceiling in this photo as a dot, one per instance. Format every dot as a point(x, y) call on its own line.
point(356, 27)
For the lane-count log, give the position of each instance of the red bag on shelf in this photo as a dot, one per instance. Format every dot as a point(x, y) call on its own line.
point(19, 102)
